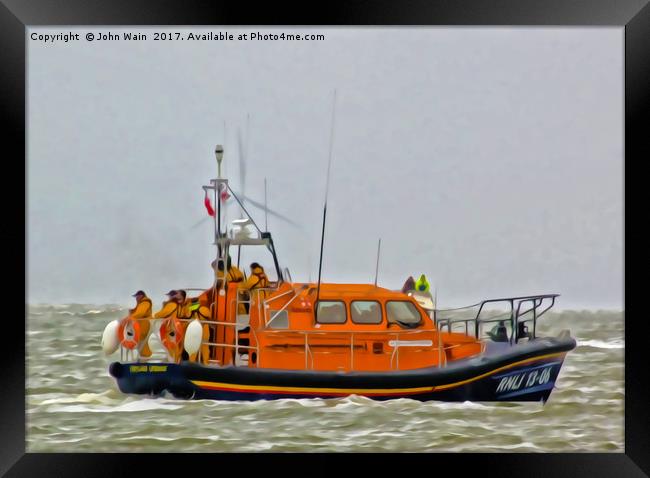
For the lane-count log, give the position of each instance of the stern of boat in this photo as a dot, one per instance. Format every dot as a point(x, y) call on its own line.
point(151, 379)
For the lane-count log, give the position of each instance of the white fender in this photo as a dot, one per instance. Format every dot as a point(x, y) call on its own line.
point(110, 341)
point(193, 337)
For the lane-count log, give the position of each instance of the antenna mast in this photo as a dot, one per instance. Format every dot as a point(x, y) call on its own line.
point(218, 151)
point(327, 185)
point(377, 266)
point(266, 210)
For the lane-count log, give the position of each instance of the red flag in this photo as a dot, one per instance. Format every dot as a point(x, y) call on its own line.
point(208, 205)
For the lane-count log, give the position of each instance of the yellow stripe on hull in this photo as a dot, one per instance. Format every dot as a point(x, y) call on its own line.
point(496, 370)
point(360, 391)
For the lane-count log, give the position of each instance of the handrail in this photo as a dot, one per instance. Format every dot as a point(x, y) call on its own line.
point(459, 308)
point(306, 347)
point(504, 299)
point(310, 331)
point(309, 356)
point(533, 309)
point(236, 345)
point(296, 295)
point(451, 320)
point(276, 296)
point(395, 353)
point(394, 359)
point(513, 315)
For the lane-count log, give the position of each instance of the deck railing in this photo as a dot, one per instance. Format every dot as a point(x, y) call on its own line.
point(523, 312)
point(245, 299)
point(394, 358)
point(517, 316)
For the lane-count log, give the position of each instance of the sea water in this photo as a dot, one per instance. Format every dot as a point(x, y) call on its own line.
point(73, 404)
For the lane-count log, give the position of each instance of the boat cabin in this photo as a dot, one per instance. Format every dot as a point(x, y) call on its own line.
point(341, 327)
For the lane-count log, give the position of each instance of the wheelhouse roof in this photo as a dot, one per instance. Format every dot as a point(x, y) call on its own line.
point(354, 291)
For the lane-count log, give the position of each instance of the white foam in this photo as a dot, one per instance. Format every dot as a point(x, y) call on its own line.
point(599, 344)
point(105, 398)
point(134, 406)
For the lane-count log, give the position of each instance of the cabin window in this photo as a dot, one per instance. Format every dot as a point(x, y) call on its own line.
point(403, 312)
point(365, 312)
point(330, 312)
point(278, 319)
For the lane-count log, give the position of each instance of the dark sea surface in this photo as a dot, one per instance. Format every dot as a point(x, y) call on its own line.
point(73, 405)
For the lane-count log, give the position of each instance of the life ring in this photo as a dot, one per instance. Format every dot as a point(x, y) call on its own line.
point(171, 334)
point(128, 333)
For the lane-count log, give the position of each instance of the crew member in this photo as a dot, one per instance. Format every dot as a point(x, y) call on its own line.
point(170, 307)
point(256, 281)
point(184, 314)
point(184, 304)
point(233, 275)
point(422, 284)
point(499, 332)
point(142, 313)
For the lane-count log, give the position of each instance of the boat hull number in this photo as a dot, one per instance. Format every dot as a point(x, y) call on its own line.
point(525, 379)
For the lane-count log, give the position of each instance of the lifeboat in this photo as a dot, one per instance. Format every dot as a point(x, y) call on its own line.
point(321, 340)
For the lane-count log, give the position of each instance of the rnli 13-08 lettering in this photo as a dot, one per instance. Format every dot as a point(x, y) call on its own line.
point(524, 380)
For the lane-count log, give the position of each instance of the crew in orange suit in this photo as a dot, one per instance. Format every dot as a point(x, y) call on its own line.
point(142, 312)
point(257, 279)
point(184, 313)
point(170, 307)
point(233, 275)
point(250, 288)
point(184, 305)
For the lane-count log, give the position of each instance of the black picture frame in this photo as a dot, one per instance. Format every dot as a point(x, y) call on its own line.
point(633, 15)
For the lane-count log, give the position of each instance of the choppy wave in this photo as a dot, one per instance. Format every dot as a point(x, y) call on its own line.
point(140, 405)
point(73, 402)
point(600, 344)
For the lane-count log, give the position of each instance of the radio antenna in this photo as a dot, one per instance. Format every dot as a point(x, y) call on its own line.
point(266, 209)
point(435, 296)
point(224, 143)
point(377, 266)
point(327, 186)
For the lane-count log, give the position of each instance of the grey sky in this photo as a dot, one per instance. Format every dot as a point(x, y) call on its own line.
point(489, 158)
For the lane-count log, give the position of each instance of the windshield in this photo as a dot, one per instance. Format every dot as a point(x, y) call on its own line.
point(365, 312)
point(402, 311)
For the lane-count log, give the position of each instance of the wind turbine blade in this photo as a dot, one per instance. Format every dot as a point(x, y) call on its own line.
point(202, 221)
point(270, 211)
